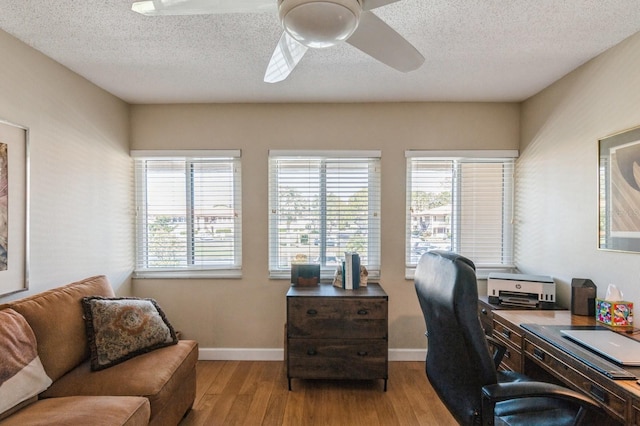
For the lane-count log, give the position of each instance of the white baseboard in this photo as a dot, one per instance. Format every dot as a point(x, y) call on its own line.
point(233, 354)
point(407, 354)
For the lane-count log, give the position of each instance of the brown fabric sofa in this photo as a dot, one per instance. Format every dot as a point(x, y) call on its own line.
point(156, 388)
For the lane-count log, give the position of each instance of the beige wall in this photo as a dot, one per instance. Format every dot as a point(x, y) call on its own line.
point(81, 195)
point(250, 312)
point(556, 183)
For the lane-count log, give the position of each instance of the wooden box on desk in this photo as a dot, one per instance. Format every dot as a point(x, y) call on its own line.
point(305, 274)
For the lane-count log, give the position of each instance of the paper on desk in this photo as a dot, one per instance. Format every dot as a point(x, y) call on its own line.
point(613, 294)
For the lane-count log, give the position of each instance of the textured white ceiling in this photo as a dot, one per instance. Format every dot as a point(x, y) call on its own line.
point(475, 50)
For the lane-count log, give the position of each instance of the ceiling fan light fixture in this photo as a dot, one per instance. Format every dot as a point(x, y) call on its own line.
point(320, 23)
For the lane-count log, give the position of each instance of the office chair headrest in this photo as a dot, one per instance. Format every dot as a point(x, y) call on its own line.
point(453, 257)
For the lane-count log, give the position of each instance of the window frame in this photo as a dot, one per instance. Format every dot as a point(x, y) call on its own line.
point(508, 158)
point(373, 158)
point(189, 157)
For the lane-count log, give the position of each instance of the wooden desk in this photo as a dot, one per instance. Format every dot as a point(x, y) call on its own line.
point(485, 312)
point(532, 355)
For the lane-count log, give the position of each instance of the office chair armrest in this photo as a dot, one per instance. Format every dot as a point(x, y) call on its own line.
point(492, 394)
point(498, 350)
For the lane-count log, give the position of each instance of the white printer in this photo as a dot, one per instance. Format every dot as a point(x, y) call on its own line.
point(520, 290)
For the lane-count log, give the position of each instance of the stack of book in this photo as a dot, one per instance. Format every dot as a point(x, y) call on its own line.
point(351, 271)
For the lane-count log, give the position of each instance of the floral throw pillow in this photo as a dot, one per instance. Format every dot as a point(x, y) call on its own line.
point(121, 328)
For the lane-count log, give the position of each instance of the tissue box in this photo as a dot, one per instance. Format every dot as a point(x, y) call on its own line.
point(614, 313)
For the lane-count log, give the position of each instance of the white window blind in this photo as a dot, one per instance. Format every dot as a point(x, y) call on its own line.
point(321, 205)
point(462, 203)
point(188, 213)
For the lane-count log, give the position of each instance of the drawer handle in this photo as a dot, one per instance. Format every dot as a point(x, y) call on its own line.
point(598, 393)
point(363, 312)
point(506, 333)
point(363, 353)
point(312, 312)
point(484, 311)
point(311, 352)
point(539, 353)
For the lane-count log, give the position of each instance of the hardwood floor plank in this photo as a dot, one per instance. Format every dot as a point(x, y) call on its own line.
point(238, 413)
point(293, 410)
point(437, 411)
point(220, 409)
point(206, 373)
point(266, 374)
point(274, 416)
point(385, 412)
point(237, 380)
point(260, 401)
point(318, 396)
point(425, 412)
point(218, 386)
point(365, 404)
point(400, 394)
point(256, 393)
point(201, 411)
point(253, 377)
point(358, 411)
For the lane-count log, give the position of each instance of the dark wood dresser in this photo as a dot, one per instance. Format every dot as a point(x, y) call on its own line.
point(333, 333)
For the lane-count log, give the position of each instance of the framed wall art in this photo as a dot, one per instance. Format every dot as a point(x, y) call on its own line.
point(619, 191)
point(14, 208)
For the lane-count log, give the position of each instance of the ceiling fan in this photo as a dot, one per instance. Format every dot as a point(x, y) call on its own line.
point(308, 24)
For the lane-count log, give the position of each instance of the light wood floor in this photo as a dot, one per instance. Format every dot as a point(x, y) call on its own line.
point(256, 393)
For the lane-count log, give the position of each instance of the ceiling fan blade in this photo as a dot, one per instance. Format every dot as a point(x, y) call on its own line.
point(372, 4)
point(286, 56)
point(378, 40)
point(202, 7)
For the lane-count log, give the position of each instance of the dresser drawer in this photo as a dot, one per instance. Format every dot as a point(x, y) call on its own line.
point(346, 318)
point(512, 360)
point(337, 359)
point(506, 334)
point(485, 313)
point(614, 404)
point(512, 339)
point(635, 412)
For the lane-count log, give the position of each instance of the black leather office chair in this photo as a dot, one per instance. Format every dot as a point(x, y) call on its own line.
point(459, 363)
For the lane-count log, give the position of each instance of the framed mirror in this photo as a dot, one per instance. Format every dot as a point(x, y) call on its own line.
point(619, 191)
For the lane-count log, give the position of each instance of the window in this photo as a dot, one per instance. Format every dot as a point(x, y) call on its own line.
point(321, 205)
point(188, 213)
point(463, 202)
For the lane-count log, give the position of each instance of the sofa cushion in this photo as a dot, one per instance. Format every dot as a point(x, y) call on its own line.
point(121, 328)
point(22, 375)
point(83, 410)
point(55, 316)
point(18, 407)
point(156, 375)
